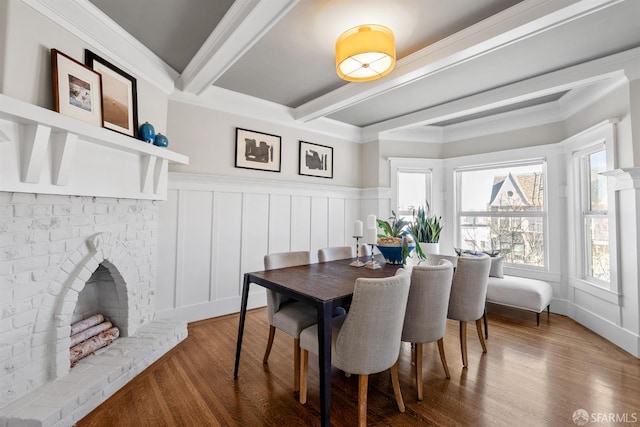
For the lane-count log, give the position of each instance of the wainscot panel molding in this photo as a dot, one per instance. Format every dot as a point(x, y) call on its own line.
point(213, 229)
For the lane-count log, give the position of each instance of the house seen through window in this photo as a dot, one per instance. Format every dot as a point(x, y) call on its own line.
point(503, 209)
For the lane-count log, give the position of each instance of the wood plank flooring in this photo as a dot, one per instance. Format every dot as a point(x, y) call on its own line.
point(531, 376)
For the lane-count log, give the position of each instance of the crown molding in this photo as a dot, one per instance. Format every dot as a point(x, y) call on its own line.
point(599, 70)
point(232, 102)
point(536, 115)
point(580, 98)
point(102, 34)
point(517, 23)
point(241, 27)
point(430, 134)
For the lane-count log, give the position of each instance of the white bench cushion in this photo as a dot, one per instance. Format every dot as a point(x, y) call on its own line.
point(519, 292)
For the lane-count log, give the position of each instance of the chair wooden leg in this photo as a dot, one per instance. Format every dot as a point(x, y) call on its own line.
point(418, 369)
point(396, 386)
point(463, 342)
point(272, 333)
point(486, 324)
point(304, 370)
point(296, 364)
point(479, 329)
point(443, 357)
point(363, 384)
point(413, 353)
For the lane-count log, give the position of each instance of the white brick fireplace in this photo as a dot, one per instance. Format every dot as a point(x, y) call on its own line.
point(76, 202)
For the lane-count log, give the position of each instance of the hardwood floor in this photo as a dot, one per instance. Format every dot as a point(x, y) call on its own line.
point(531, 376)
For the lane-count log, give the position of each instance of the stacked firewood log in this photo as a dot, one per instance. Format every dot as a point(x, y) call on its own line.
point(89, 335)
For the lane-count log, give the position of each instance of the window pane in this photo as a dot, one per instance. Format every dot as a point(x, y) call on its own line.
point(507, 189)
point(519, 239)
point(597, 182)
point(598, 248)
point(412, 191)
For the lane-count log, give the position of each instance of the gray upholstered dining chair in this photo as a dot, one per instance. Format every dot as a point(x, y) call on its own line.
point(426, 318)
point(367, 339)
point(434, 259)
point(364, 250)
point(286, 314)
point(334, 253)
point(468, 297)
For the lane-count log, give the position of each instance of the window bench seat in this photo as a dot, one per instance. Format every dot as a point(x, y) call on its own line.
point(520, 292)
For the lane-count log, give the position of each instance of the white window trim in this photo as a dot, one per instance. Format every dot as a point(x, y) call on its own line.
point(576, 147)
point(431, 167)
point(580, 159)
point(539, 214)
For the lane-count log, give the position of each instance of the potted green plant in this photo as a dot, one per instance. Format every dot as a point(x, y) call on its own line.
point(426, 230)
point(395, 242)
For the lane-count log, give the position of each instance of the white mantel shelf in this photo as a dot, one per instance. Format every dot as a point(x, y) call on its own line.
point(44, 152)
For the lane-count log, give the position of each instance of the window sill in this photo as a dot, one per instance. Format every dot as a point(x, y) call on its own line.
point(532, 273)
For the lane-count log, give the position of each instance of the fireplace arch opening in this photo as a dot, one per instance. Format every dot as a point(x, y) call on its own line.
point(101, 274)
point(104, 293)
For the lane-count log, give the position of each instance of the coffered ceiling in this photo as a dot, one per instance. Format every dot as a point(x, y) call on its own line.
point(458, 60)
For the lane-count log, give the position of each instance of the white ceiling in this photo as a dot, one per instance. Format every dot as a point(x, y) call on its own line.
point(448, 51)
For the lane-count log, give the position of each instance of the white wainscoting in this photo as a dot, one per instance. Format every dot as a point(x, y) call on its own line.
point(214, 229)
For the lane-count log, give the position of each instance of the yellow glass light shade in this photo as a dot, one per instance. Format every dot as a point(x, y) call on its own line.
point(365, 53)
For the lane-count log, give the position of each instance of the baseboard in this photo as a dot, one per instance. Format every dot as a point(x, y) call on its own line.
point(623, 338)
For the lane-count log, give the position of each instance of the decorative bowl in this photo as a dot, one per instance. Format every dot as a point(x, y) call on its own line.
point(392, 253)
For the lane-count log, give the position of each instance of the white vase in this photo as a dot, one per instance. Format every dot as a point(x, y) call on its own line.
point(430, 248)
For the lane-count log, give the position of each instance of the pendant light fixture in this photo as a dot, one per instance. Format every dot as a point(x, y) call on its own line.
point(365, 53)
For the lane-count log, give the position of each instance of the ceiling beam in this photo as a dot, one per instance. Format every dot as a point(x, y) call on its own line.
point(526, 19)
point(241, 27)
point(610, 67)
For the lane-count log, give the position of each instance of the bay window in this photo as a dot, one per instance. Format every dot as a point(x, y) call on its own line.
point(411, 184)
point(595, 222)
point(592, 206)
point(502, 208)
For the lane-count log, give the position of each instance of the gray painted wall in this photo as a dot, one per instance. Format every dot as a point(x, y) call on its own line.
point(208, 136)
point(26, 62)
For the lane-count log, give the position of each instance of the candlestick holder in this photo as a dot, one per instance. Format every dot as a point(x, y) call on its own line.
point(357, 262)
point(372, 263)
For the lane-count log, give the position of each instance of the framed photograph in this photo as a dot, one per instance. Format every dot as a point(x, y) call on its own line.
point(316, 160)
point(256, 150)
point(119, 95)
point(77, 90)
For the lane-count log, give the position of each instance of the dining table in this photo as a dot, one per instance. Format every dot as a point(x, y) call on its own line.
point(323, 286)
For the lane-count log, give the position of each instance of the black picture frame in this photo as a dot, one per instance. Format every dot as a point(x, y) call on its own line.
point(315, 160)
point(258, 150)
point(119, 95)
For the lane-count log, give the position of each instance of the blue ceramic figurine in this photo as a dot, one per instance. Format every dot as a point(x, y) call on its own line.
point(147, 132)
point(161, 140)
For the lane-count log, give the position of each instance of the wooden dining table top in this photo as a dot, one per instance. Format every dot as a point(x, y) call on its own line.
point(323, 281)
